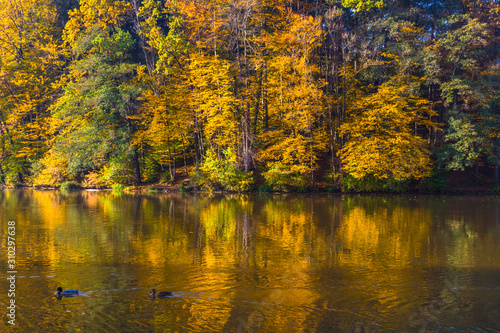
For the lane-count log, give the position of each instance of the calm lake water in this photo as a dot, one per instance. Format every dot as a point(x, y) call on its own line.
point(252, 263)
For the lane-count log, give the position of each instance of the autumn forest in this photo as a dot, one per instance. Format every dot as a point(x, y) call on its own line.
point(239, 95)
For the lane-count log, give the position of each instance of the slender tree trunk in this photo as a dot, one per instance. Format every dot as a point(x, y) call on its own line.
point(172, 175)
point(148, 55)
point(184, 155)
point(266, 113)
point(246, 150)
point(199, 138)
point(173, 162)
point(137, 169)
point(342, 113)
point(311, 155)
point(246, 157)
point(195, 141)
point(257, 103)
point(329, 92)
point(497, 167)
point(455, 99)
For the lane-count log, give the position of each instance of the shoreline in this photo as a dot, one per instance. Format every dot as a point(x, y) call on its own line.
point(465, 182)
point(161, 188)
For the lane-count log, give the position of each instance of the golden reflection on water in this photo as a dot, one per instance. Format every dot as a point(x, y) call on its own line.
point(248, 263)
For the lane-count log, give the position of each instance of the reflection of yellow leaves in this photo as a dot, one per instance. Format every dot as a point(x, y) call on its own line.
point(216, 219)
point(288, 246)
point(391, 234)
point(51, 209)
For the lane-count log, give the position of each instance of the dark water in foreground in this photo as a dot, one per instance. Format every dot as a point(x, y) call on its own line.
point(250, 263)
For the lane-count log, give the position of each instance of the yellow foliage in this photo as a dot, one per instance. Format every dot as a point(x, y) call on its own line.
point(295, 101)
point(381, 138)
point(93, 180)
point(51, 170)
point(213, 99)
point(29, 67)
point(90, 12)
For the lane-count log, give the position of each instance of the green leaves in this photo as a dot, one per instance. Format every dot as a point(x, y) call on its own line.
point(93, 115)
point(224, 172)
point(115, 47)
point(363, 5)
point(464, 143)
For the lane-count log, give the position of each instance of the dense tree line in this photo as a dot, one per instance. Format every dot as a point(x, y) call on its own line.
point(364, 94)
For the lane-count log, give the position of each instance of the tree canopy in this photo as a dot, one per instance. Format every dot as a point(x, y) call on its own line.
point(233, 93)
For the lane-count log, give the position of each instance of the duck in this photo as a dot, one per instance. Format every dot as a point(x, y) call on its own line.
point(67, 293)
point(160, 293)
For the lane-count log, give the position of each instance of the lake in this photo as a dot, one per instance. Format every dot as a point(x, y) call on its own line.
point(251, 263)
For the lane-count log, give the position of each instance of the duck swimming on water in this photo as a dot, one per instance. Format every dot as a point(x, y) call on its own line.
point(160, 293)
point(67, 293)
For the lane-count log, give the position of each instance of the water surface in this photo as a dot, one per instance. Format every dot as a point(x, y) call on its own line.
point(252, 263)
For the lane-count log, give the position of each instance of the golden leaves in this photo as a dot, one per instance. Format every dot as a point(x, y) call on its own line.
point(381, 139)
point(106, 13)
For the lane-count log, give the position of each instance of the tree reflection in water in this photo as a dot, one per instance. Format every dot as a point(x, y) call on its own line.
point(257, 263)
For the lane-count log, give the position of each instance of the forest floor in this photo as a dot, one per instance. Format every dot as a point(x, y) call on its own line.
point(454, 182)
point(468, 182)
point(457, 182)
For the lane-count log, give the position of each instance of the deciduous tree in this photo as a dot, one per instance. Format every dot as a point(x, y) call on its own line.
point(381, 138)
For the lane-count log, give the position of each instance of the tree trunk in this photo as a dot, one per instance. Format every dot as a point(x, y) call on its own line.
point(172, 176)
point(257, 99)
point(173, 162)
point(149, 57)
point(266, 113)
point(184, 155)
point(137, 168)
point(497, 166)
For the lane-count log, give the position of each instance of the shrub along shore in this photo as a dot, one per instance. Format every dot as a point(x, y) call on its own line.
point(446, 182)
